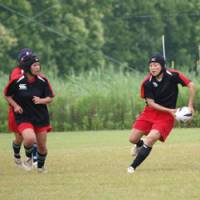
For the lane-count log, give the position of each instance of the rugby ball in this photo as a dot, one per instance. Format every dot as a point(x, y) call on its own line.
point(183, 114)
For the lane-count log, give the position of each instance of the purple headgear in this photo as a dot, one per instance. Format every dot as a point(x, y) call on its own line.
point(23, 53)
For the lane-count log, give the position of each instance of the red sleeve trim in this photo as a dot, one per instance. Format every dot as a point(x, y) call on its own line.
point(11, 81)
point(53, 94)
point(185, 80)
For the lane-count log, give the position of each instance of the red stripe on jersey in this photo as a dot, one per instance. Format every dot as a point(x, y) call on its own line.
point(185, 80)
point(181, 75)
point(53, 94)
point(17, 76)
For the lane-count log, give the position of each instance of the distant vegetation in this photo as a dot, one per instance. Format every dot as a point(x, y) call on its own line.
point(95, 53)
point(80, 35)
point(99, 99)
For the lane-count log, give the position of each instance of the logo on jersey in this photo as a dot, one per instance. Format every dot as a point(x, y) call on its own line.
point(155, 84)
point(22, 86)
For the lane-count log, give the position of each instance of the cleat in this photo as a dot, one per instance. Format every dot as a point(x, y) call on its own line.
point(28, 164)
point(135, 150)
point(130, 170)
point(42, 170)
point(18, 162)
point(35, 164)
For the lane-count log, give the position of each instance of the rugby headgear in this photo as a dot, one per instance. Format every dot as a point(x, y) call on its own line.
point(23, 53)
point(27, 61)
point(158, 58)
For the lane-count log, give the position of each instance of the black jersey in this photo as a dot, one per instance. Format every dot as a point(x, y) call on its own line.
point(23, 92)
point(164, 92)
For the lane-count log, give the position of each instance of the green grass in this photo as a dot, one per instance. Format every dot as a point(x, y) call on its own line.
point(92, 166)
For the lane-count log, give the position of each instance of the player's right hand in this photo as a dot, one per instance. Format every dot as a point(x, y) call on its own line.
point(18, 109)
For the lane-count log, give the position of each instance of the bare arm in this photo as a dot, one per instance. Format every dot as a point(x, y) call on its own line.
point(17, 108)
point(191, 88)
point(156, 106)
point(38, 100)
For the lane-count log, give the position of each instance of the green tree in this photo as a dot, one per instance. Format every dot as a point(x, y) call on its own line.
point(85, 34)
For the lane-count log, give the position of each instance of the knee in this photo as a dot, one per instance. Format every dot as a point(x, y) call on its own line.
point(42, 148)
point(133, 139)
point(28, 137)
point(18, 141)
point(29, 141)
point(152, 139)
point(135, 136)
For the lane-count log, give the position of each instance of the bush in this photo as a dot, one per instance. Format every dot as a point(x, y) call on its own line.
point(97, 100)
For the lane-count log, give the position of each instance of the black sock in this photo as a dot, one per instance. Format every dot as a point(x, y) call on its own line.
point(16, 149)
point(35, 153)
point(140, 143)
point(28, 151)
point(143, 153)
point(41, 159)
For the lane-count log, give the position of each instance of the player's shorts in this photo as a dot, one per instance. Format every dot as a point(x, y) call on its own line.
point(12, 126)
point(22, 126)
point(154, 119)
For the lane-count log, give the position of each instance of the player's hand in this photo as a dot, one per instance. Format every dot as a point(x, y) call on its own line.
point(18, 109)
point(191, 109)
point(172, 112)
point(37, 100)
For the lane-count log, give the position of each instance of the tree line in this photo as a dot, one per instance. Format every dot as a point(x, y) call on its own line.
point(80, 35)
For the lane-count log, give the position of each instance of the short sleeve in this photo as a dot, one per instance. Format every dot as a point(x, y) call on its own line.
point(9, 90)
point(48, 92)
point(180, 78)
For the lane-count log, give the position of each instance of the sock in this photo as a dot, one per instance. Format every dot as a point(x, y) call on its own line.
point(28, 151)
point(41, 159)
point(35, 153)
point(140, 143)
point(143, 153)
point(16, 149)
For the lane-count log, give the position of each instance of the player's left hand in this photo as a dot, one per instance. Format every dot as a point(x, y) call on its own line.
point(37, 100)
point(191, 109)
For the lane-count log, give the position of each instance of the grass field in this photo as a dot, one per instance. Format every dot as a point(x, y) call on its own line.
point(92, 166)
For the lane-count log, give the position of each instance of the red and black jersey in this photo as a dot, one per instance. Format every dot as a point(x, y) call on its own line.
point(23, 92)
point(164, 92)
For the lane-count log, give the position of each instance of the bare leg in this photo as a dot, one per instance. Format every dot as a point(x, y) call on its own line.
point(29, 139)
point(135, 138)
point(151, 139)
point(42, 150)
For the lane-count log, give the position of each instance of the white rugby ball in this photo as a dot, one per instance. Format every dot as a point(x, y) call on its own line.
point(183, 114)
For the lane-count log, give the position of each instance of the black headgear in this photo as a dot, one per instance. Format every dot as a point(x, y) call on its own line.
point(27, 61)
point(158, 58)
